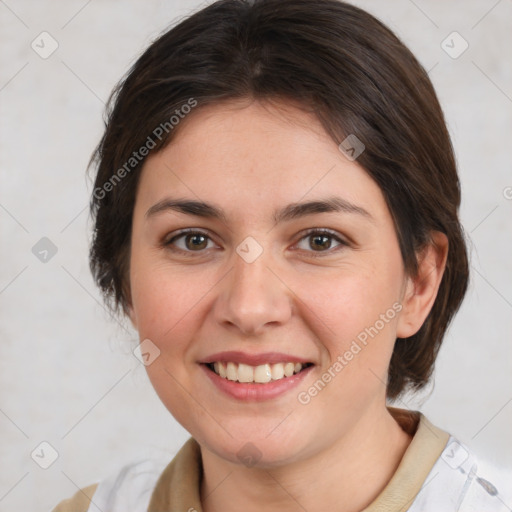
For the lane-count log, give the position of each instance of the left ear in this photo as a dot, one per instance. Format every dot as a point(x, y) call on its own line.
point(421, 291)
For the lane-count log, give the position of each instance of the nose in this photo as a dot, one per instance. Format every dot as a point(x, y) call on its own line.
point(253, 296)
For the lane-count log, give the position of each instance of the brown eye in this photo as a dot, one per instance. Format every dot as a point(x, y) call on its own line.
point(197, 241)
point(320, 241)
point(190, 241)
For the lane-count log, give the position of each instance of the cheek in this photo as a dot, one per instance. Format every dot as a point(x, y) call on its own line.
point(168, 306)
point(348, 303)
point(340, 304)
point(162, 300)
point(171, 305)
point(354, 316)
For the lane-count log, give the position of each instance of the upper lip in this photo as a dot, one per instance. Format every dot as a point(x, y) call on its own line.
point(253, 359)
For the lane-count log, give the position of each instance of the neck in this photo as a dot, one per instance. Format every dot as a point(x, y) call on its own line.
point(347, 477)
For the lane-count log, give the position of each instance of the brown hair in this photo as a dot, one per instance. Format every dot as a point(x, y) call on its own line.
point(331, 58)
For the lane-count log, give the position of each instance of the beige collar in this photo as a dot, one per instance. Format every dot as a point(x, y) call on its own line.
point(178, 488)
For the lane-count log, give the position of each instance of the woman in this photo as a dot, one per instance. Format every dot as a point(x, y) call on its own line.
point(276, 210)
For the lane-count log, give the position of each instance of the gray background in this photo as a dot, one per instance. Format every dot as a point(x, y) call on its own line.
point(67, 373)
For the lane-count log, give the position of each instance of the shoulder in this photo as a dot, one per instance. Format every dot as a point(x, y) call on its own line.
point(127, 489)
point(461, 481)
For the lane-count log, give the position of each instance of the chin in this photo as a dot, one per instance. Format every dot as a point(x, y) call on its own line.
point(256, 451)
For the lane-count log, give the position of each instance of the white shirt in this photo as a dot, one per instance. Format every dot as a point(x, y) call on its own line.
point(455, 483)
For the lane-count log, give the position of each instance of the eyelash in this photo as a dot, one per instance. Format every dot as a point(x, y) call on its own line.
point(314, 231)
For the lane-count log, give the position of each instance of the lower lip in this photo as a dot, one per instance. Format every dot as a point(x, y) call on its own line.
point(251, 392)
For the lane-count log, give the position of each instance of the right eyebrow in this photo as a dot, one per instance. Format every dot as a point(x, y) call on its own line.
point(188, 207)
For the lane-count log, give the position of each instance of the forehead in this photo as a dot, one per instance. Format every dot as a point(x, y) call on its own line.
point(257, 156)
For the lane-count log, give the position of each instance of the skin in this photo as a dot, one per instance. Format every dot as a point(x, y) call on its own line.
point(249, 159)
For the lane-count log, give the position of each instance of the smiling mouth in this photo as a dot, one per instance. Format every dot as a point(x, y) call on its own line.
point(261, 374)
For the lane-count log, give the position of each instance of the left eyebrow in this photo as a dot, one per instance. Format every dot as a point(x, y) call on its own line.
point(331, 204)
point(288, 213)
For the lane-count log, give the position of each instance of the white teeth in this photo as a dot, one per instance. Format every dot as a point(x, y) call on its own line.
point(222, 370)
point(277, 371)
point(232, 371)
point(259, 374)
point(245, 373)
point(289, 368)
point(262, 373)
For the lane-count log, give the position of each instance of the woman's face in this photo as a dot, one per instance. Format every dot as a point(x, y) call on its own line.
point(265, 281)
